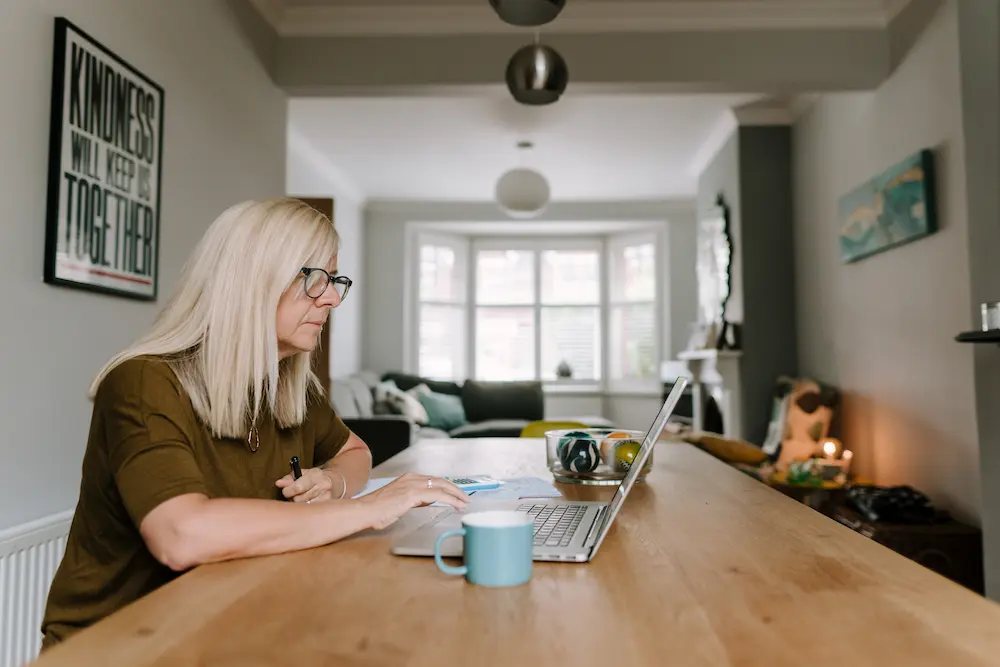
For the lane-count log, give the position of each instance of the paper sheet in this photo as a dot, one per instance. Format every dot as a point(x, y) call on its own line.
point(514, 488)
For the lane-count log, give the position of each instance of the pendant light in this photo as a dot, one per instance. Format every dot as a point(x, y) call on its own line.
point(522, 192)
point(537, 74)
point(527, 13)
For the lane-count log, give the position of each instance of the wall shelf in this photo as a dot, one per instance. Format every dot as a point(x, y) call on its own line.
point(979, 337)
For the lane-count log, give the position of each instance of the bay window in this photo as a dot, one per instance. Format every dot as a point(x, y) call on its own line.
point(570, 311)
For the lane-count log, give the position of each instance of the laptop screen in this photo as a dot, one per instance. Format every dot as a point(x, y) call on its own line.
point(652, 435)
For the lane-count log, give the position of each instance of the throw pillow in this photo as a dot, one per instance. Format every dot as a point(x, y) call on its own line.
point(444, 411)
point(401, 402)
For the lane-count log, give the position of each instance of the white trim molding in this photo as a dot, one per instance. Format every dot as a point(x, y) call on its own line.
point(356, 18)
point(784, 111)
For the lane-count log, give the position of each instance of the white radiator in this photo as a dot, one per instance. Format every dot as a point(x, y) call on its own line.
point(29, 556)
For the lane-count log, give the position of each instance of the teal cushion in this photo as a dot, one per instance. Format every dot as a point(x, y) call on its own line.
point(444, 411)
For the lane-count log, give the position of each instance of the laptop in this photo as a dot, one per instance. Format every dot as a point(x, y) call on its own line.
point(565, 530)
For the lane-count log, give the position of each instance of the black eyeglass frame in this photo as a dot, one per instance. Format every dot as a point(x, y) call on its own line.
point(340, 280)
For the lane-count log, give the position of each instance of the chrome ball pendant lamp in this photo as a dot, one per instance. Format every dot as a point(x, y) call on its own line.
point(536, 75)
point(527, 12)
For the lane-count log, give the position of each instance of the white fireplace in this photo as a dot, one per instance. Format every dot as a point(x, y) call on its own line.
point(718, 373)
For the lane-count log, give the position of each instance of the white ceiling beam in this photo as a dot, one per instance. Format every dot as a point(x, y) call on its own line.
point(592, 17)
point(273, 12)
point(772, 62)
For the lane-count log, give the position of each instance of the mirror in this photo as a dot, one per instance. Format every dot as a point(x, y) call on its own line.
point(715, 252)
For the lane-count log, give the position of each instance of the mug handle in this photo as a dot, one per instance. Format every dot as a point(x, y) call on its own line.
point(448, 569)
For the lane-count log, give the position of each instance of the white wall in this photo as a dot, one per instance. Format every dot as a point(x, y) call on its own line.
point(224, 142)
point(309, 174)
point(882, 329)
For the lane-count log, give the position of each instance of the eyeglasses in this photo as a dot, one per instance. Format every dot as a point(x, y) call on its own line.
point(317, 281)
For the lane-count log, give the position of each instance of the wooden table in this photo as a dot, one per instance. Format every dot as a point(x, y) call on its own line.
point(705, 566)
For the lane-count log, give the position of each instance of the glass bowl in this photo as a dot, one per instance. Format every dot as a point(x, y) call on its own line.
point(593, 455)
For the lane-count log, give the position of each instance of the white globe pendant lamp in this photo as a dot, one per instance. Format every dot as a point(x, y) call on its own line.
point(522, 192)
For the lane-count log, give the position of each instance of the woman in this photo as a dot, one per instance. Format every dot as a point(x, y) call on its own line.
point(194, 426)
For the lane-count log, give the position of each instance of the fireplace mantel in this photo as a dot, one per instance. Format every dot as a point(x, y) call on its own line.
point(718, 373)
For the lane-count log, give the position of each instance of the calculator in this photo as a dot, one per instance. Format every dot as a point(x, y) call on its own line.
point(474, 483)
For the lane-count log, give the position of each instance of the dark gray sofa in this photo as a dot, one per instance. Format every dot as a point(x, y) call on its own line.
point(492, 409)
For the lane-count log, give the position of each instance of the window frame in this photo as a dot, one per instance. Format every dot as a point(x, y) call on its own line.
point(467, 244)
point(539, 244)
point(460, 244)
point(618, 242)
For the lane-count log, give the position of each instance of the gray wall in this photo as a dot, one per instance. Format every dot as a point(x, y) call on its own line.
point(752, 171)
point(882, 329)
point(768, 269)
point(979, 65)
point(224, 141)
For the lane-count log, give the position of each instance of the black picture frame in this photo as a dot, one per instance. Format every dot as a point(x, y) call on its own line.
point(105, 184)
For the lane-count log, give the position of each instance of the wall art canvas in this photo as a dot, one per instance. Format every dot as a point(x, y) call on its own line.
point(105, 164)
point(893, 208)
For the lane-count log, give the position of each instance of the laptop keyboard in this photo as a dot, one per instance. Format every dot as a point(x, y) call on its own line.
point(554, 524)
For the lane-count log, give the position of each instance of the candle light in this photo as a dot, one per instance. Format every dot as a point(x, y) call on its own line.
point(831, 447)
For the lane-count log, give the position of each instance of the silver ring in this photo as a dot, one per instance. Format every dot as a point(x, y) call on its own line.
point(430, 484)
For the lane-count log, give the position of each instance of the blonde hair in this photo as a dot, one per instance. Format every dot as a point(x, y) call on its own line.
point(218, 330)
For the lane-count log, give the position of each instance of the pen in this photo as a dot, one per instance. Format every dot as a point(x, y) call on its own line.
point(296, 470)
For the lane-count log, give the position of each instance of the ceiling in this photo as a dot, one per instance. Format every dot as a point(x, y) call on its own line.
point(410, 3)
point(590, 147)
point(329, 17)
point(403, 99)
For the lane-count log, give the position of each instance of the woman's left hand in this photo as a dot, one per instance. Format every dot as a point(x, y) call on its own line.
point(315, 484)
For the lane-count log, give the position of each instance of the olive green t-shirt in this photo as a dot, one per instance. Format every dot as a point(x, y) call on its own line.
point(146, 445)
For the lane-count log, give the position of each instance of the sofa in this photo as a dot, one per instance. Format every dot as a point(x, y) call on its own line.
point(393, 410)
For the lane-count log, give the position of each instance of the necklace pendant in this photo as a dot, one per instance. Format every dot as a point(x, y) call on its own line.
point(253, 439)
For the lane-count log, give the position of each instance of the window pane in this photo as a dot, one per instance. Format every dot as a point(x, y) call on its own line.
point(632, 349)
point(505, 343)
point(442, 342)
point(439, 275)
point(505, 277)
point(634, 273)
point(570, 277)
point(572, 335)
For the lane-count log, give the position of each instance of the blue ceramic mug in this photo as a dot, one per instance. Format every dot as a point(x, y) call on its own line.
point(497, 548)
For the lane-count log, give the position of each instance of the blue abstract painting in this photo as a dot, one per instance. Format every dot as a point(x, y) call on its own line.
point(895, 207)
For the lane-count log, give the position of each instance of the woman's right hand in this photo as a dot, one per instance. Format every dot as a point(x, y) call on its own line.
point(408, 491)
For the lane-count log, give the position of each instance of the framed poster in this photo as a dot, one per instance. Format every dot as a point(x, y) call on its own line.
point(105, 170)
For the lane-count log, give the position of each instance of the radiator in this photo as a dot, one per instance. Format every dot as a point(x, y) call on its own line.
point(29, 556)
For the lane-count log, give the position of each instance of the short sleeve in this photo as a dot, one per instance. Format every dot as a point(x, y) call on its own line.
point(151, 454)
point(331, 432)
